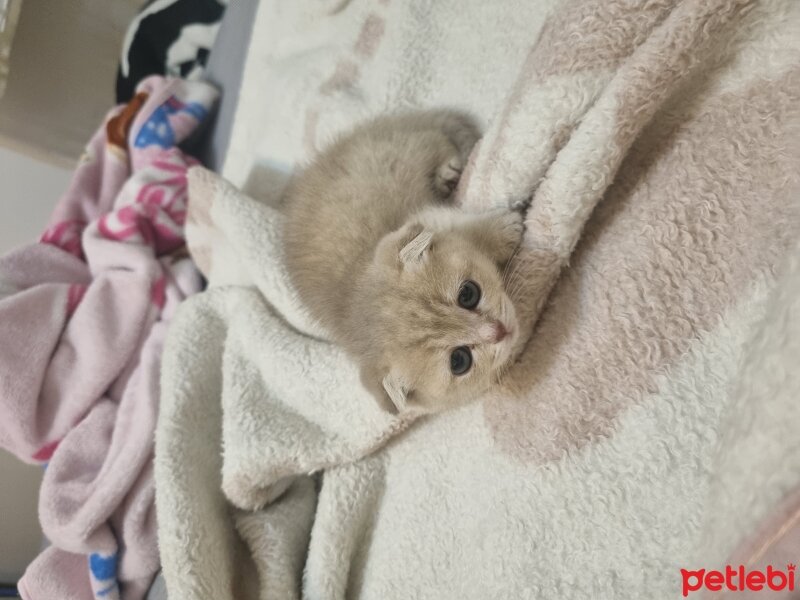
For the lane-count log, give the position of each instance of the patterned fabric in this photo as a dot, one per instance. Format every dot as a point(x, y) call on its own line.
point(651, 423)
point(83, 314)
point(168, 37)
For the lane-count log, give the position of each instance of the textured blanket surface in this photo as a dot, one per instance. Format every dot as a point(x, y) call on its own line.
point(83, 318)
point(647, 427)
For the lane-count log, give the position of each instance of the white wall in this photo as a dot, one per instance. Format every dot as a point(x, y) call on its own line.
point(62, 73)
point(28, 191)
point(20, 535)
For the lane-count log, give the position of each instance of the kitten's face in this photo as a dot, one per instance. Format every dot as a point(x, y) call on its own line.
point(446, 325)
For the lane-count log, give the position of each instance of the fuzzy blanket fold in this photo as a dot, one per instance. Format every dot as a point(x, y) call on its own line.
point(647, 427)
point(83, 317)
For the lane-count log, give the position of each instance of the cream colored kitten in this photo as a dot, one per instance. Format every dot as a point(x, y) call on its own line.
point(409, 285)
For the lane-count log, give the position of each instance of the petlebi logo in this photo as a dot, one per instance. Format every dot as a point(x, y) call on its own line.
point(738, 579)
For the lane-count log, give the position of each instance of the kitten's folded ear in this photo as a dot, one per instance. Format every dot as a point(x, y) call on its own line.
point(405, 247)
point(389, 390)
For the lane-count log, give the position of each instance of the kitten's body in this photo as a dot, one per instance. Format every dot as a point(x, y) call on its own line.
point(377, 252)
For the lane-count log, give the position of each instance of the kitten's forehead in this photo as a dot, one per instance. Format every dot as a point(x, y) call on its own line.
point(431, 321)
point(454, 256)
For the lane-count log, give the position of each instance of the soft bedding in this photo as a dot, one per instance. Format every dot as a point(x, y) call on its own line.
point(649, 425)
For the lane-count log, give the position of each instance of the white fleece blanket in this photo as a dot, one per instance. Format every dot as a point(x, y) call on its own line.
point(649, 426)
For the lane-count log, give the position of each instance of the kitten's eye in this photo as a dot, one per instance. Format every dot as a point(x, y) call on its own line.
point(460, 360)
point(469, 295)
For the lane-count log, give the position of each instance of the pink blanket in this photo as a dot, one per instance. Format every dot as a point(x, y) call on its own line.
point(83, 315)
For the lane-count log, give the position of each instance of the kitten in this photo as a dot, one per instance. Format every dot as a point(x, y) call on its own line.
point(408, 284)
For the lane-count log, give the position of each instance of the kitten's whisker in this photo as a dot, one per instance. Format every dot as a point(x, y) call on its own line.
point(519, 278)
point(515, 282)
point(510, 275)
point(507, 267)
point(513, 264)
point(519, 285)
point(508, 264)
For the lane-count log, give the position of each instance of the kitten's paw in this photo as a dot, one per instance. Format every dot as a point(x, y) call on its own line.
point(509, 227)
point(447, 176)
point(520, 205)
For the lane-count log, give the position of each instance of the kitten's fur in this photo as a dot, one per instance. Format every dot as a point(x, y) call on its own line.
point(378, 254)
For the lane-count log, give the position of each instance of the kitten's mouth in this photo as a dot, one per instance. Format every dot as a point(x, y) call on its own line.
point(505, 347)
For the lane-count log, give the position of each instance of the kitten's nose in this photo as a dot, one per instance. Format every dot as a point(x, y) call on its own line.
point(499, 332)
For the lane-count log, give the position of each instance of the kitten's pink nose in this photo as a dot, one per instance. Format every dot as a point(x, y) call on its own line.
point(499, 332)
